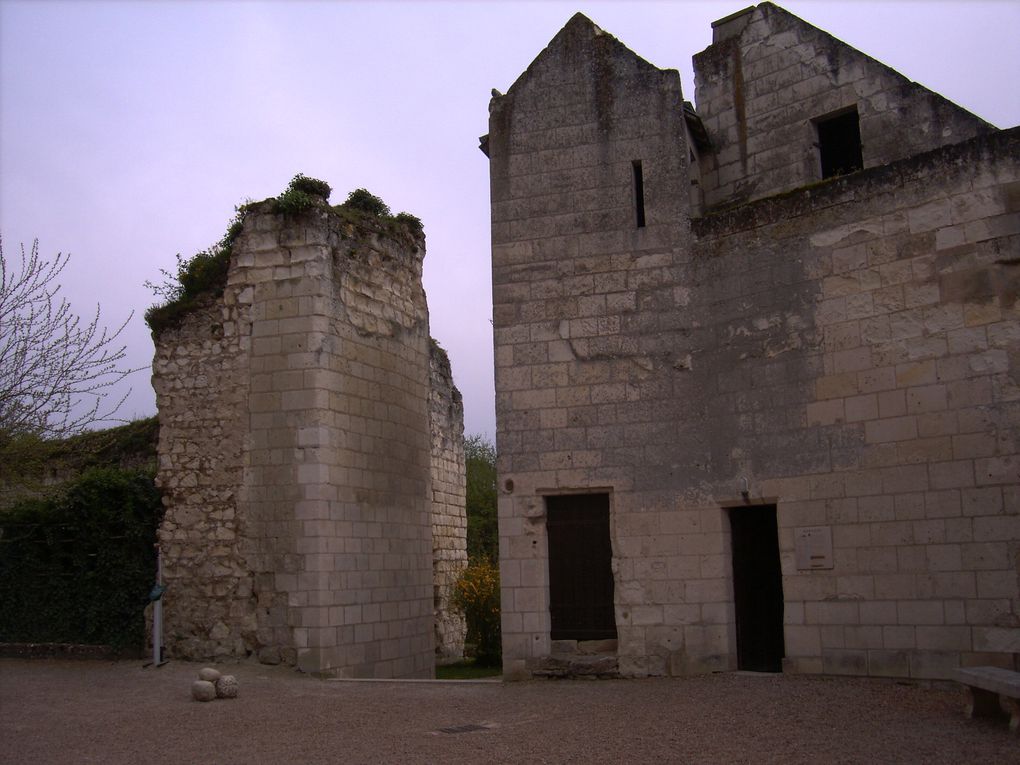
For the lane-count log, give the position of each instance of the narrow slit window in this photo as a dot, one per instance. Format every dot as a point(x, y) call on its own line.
point(639, 194)
point(839, 144)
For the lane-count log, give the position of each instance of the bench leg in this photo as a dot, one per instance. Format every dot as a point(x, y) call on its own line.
point(1013, 705)
point(982, 703)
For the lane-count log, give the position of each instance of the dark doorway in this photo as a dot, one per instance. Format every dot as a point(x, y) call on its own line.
point(580, 567)
point(757, 588)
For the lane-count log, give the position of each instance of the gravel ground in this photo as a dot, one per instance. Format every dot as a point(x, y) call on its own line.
point(54, 711)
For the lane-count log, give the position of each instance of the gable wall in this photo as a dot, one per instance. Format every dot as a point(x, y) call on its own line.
point(768, 74)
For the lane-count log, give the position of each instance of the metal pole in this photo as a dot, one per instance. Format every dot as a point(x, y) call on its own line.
point(156, 596)
point(157, 614)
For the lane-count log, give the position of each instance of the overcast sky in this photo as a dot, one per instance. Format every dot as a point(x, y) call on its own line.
point(129, 130)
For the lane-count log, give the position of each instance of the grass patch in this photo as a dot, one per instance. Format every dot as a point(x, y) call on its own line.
point(465, 670)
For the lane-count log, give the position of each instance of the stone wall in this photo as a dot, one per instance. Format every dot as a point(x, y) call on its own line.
point(201, 377)
point(864, 371)
point(844, 352)
point(296, 455)
point(587, 342)
point(449, 516)
point(765, 79)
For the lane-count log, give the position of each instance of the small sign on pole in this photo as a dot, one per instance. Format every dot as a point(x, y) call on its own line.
point(156, 598)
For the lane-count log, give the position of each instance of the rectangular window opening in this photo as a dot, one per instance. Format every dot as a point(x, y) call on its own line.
point(839, 144)
point(639, 193)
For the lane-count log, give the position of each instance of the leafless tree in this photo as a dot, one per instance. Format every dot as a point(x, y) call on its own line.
point(55, 368)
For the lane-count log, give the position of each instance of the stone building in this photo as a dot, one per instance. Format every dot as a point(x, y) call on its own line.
point(311, 454)
point(757, 362)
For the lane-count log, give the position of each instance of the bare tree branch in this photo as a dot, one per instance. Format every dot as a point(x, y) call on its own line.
point(55, 369)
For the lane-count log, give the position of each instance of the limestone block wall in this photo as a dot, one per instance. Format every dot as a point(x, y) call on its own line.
point(588, 340)
point(768, 75)
point(844, 353)
point(314, 396)
point(449, 516)
point(861, 350)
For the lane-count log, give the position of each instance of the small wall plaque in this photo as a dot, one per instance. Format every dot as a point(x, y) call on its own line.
point(813, 547)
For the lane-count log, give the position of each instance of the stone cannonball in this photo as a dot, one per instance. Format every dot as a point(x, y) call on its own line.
point(208, 673)
point(203, 690)
point(226, 687)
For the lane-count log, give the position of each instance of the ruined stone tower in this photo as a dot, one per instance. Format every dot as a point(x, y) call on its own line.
point(311, 454)
point(757, 363)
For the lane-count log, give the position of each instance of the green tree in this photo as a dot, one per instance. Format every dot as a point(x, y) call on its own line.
point(477, 597)
point(482, 531)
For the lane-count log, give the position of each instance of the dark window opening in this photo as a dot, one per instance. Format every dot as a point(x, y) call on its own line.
point(639, 193)
point(580, 567)
point(839, 144)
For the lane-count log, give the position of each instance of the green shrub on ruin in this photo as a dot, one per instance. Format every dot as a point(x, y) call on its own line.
point(364, 208)
point(205, 273)
point(301, 194)
point(313, 186)
point(365, 201)
point(411, 222)
point(202, 274)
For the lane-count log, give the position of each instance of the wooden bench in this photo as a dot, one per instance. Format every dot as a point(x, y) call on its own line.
point(985, 687)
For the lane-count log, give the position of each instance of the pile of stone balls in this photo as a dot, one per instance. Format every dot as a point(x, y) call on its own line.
point(212, 685)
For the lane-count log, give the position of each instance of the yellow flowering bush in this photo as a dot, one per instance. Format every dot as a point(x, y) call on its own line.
point(477, 597)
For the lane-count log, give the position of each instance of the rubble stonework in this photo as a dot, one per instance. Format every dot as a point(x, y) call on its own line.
point(201, 375)
point(296, 453)
point(449, 517)
point(843, 356)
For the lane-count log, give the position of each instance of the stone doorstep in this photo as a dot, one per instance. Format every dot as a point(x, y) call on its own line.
point(588, 647)
point(575, 665)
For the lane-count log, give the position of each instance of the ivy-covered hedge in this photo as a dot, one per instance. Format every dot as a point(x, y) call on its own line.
point(78, 567)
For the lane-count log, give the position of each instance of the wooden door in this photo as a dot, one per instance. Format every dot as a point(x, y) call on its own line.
point(580, 567)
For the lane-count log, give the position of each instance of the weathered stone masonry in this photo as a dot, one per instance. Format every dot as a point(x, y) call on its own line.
point(303, 418)
point(449, 518)
point(691, 322)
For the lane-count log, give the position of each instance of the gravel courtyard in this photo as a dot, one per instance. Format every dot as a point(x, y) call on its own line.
point(116, 712)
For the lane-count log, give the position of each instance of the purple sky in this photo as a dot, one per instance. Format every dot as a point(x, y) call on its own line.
point(129, 130)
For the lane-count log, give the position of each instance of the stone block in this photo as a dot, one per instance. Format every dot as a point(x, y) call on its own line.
point(997, 639)
point(934, 664)
point(920, 612)
point(943, 638)
point(844, 662)
point(885, 663)
point(899, 637)
point(862, 636)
